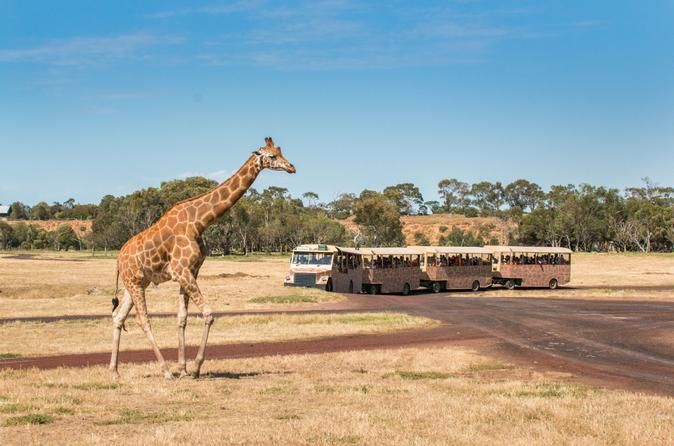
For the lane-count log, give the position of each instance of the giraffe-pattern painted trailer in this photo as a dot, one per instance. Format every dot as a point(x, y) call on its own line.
point(455, 267)
point(531, 266)
point(376, 270)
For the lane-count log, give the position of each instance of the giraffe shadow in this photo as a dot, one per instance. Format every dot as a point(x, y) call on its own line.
point(216, 375)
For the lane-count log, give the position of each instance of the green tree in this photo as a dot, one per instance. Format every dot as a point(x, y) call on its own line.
point(406, 196)
point(65, 238)
point(455, 194)
point(40, 211)
point(379, 220)
point(19, 211)
point(487, 197)
point(342, 207)
point(523, 194)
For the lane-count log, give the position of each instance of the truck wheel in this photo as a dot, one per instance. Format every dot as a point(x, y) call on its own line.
point(406, 289)
point(328, 286)
point(509, 284)
point(372, 289)
point(553, 284)
point(351, 287)
point(475, 286)
point(435, 287)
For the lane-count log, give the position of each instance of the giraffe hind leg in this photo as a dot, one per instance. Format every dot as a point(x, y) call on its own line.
point(138, 295)
point(183, 301)
point(118, 318)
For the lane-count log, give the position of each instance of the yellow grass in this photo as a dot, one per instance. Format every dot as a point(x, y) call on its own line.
point(81, 336)
point(400, 397)
point(76, 283)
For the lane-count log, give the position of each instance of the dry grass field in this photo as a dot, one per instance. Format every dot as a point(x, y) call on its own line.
point(400, 397)
point(428, 396)
point(84, 336)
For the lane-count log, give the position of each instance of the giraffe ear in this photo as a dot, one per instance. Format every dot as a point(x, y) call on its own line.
point(269, 141)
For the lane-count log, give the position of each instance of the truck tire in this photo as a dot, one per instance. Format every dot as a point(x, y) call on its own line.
point(328, 286)
point(510, 284)
point(406, 289)
point(436, 287)
point(553, 284)
point(475, 286)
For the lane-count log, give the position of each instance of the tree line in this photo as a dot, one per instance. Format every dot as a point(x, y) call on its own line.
point(582, 217)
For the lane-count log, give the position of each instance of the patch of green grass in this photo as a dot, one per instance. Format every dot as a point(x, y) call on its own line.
point(488, 367)
point(96, 386)
point(9, 355)
point(274, 390)
point(9, 408)
point(413, 376)
point(291, 299)
point(329, 438)
point(544, 391)
point(33, 418)
point(132, 416)
point(286, 417)
point(362, 389)
point(63, 411)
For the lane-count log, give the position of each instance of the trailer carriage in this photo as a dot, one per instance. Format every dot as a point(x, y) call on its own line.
point(455, 267)
point(375, 270)
point(531, 266)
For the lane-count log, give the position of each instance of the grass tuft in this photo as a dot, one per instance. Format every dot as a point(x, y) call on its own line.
point(33, 418)
point(287, 417)
point(132, 416)
point(413, 376)
point(488, 367)
point(9, 355)
point(63, 411)
point(96, 386)
point(291, 299)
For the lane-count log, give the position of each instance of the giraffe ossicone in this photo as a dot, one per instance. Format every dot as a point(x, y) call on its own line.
point(172, 249)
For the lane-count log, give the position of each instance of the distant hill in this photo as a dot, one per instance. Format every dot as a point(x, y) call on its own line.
point(435, 225)
point(432, 226)
point(81, 227)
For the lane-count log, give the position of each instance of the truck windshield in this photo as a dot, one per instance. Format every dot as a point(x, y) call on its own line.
point(311, 258)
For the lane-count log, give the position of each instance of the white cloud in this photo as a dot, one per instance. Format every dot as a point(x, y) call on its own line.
point(83, 51)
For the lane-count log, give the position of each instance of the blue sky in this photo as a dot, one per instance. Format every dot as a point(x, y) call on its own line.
point(110, 97)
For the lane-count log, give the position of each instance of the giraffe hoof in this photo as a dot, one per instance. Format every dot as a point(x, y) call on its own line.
point(195, 374)
point(168, 375)
point(184, 374)
point(115, 375)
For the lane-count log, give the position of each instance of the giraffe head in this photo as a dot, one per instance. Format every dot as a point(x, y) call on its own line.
point(270, 157)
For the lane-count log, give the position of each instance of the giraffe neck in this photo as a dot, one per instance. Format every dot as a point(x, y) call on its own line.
point(224, 196)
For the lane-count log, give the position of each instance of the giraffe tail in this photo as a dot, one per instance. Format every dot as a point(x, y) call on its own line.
point(115, 301)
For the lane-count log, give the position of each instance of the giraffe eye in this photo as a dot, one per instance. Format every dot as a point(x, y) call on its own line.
point(272, 157)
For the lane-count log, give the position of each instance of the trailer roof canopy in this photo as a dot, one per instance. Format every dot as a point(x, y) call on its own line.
point(453, 249)
point(395, 251)
point(530, 249)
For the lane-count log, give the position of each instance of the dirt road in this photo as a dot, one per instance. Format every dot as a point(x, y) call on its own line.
point(617, 344)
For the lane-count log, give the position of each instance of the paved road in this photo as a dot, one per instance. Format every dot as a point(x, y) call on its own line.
point(618, 344)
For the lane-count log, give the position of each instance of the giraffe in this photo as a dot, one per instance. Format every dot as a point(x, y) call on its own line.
point(172, 249)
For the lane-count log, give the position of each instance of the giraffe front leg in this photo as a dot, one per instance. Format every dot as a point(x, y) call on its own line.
point(182, 323)
point(118, 318)
point(189, 284)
